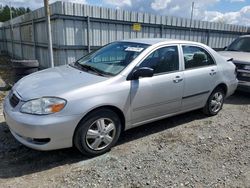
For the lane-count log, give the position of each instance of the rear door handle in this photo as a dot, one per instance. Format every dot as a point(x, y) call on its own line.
point(213, 72)
point(177, 79)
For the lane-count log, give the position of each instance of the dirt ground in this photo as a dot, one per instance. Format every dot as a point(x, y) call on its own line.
point(5, 76)
point(189, 150)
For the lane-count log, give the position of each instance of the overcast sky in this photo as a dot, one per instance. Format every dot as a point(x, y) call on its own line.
point(228, 11)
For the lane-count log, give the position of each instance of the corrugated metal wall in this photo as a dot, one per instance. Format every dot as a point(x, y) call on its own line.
point(78, 28)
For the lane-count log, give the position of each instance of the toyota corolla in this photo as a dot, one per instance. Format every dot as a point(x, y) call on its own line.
point(88, 103)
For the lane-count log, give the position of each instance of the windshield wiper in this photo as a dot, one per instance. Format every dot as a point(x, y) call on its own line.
point(90, 68)
point(233, 50)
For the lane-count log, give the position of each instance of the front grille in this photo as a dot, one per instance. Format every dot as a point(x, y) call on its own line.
point(242, 75)
point(14, 100)
point(239, 66)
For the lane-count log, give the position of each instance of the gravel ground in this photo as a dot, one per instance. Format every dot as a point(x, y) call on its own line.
point(189, 150)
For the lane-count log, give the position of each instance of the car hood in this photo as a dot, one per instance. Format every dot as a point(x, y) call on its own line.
point(55, 82)
point(237, 56)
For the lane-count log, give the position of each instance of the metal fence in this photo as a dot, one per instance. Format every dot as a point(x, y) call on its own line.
point(78, 28)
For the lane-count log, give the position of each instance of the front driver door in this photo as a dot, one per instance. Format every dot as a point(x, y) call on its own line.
point(161, 94)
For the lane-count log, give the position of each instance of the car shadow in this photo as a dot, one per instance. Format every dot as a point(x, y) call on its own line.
point(17, 160)
point(159, 126)
point(239, 98)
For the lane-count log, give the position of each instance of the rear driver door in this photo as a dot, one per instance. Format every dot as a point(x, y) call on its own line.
point(200, 76)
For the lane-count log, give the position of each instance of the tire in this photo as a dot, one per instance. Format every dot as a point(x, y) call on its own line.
point(215, 102)
point(92, 136)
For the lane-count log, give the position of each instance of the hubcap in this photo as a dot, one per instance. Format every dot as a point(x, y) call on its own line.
point(216, 102)
point(100, 134)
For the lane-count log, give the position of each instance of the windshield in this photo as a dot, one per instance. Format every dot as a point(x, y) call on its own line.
point(240, 44)
point(112, 58)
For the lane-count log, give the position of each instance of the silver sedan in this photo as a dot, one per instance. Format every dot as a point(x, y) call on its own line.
point(125, 84)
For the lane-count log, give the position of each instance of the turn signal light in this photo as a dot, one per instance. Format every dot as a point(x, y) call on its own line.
point(57, 107)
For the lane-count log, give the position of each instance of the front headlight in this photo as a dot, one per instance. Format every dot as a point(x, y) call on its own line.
point(43, 106)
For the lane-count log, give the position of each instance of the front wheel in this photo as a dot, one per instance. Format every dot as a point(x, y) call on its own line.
point(97, 132)
point(215, 102)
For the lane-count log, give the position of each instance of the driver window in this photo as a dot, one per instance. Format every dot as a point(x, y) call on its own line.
point(163, 60)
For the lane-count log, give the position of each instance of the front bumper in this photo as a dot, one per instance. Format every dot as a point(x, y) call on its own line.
point(46, 132)
point(244, 78)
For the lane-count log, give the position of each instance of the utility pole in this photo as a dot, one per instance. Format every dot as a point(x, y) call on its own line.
point(50, 48)
point(191, 20)
point(11, 33)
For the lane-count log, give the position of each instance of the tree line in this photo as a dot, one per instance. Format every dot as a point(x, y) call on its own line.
point(5, 12)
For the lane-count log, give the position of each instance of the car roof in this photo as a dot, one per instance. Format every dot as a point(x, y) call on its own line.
point(152, 41)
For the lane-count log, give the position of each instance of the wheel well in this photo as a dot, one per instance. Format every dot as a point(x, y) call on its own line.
point(222, 86)
point(114, 109)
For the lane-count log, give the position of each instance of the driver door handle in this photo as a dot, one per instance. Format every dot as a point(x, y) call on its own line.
point(177, 79)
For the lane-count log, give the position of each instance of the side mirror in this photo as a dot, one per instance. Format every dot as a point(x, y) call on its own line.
point(225, 48)
point(142, 72)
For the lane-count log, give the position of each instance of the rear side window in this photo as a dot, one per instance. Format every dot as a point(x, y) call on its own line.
point(196, 57)
point(163, 60)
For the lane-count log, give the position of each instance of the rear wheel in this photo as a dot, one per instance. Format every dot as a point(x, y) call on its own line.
point(98, 132)
point(215, 102)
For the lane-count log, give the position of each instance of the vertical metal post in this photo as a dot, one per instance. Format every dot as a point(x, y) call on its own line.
point(170, 30)
point(2, 39)
point(191, 20)
point(50, 48)
point(34, 38)
point(5, 41)
point(88, 33)
point(21, 42)
point(208, 37)
point(162, 28)
point(11, 34)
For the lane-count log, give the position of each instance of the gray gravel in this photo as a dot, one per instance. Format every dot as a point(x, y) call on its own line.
point(189, 150)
